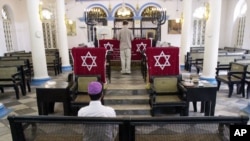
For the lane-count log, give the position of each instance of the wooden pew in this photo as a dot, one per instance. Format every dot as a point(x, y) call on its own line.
point(65, 128)
point(24, 70)
point(10, 77)
point(53, 62)
point(223, 61)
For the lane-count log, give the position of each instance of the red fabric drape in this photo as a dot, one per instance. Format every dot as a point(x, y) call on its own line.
point(163, 61)
point(90, 61)
point(113, 46)
point(138, 45)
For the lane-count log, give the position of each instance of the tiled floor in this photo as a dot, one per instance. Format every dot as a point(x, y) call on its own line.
point(121, 84)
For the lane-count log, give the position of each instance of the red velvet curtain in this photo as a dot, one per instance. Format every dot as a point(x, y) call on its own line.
point(163, 61)
point(90, 61)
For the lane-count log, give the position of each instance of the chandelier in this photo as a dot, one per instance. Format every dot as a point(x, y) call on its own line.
point(123, 11)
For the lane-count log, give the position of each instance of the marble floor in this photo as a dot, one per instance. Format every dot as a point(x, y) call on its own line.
point(121, 87)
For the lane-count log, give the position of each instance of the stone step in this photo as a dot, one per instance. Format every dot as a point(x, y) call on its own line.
point(126, 99)
point(126, 92)
point(132, 109)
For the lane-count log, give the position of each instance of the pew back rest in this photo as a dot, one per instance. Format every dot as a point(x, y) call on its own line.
point(196, 55)
point(196, 49)
point(9, 58)
point(130, 129)
point(20, 54)
point(13, 63)
point(237, 67)
point(245, 61)
point(51, 58)
point(26, 57)
point(226, 59)
point(8, 72)
point(24, 63)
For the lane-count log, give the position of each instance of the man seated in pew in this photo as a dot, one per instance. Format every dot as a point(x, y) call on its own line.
point(103, 132)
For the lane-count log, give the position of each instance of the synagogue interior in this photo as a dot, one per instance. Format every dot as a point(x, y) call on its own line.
point(189, 77)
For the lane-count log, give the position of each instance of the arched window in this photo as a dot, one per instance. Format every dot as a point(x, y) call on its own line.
point(7, 29)
point(199, 27)
point(49, 28)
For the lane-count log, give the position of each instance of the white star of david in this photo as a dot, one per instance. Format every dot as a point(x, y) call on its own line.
point(139, 47)
point(157, 59)
point(109, 45)
point(84, 63)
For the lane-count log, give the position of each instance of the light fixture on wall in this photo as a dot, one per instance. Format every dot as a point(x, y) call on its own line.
point(177, 20)
point(46, 14)
point(71, 27)
point(4, 13)
point(207, 10)
point(202, 12)
point(40, 9)
point(123, 11)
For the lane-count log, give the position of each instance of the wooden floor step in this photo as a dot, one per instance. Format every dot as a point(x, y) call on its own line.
point(131, 109)
point(126, 92)
point(126, 99)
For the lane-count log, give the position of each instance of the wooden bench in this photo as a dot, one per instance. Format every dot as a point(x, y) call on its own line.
point(191, 57)
point(52, 57)
point(223, 61)
point(196, 49)
point(234, 49)
point(10, 77)
point(9, 53)
point(9, 58)
point(65, 128)
point(53, 62)
point(24, 70)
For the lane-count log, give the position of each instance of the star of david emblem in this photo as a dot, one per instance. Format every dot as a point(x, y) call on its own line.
point(84, 62)
point(163, 65)
point(139, 47)
point(109, 45)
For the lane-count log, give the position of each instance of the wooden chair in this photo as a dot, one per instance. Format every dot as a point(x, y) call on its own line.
point(166, 94)
point(90, 61)
point(236, 75)
point(10, 77)
point(79, 91)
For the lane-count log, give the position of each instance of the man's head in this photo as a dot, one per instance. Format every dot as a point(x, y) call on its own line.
point(95, 90)
point(125, 22)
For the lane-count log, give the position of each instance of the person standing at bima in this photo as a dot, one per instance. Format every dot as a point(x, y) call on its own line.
point(125, 36)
